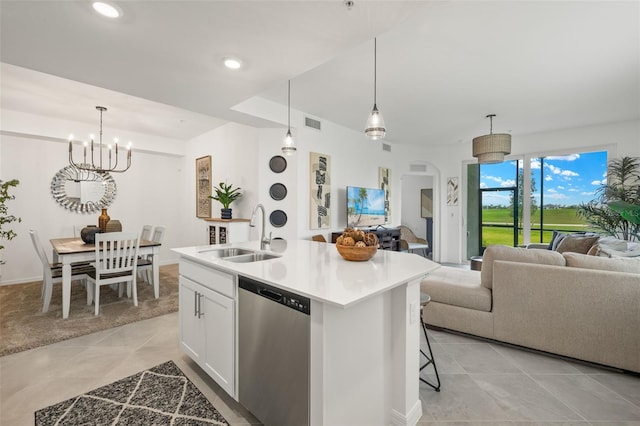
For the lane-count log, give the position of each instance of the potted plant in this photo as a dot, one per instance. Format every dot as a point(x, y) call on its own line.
point(615, 210)
point(7, 234)
point(226, 194)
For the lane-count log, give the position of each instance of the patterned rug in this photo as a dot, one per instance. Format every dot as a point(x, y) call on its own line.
point(161, 395)
point(23, 325)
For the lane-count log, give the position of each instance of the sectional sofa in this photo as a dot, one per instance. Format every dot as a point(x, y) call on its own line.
point(570, 304)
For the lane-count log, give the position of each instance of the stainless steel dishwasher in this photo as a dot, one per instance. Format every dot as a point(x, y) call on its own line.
point(273, 358)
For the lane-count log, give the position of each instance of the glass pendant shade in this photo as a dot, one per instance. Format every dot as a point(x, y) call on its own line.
point(375, 124)
point(289, 145)
point(491, 148)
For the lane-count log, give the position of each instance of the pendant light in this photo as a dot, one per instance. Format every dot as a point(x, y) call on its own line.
point(375, 124)
point(491, 148)
point(289, 145)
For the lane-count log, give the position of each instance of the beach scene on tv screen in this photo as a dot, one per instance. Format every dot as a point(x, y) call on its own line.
point(365, 207)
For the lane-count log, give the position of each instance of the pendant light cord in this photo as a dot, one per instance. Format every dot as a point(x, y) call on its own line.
point(289, 106)
point(375, 68)
point(490, 117)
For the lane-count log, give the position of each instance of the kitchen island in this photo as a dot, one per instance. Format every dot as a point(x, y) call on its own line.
point(364, 324)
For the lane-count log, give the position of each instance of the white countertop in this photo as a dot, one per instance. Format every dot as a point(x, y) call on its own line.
point(316, 270)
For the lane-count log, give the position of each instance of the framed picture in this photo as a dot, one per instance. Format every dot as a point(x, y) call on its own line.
point(384, 182)
point(452, 191)
point(426, 203)
point(203, 186)
point(319, 190)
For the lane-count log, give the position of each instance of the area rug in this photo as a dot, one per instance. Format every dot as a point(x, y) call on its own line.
point(161, 395)
point(24, 326)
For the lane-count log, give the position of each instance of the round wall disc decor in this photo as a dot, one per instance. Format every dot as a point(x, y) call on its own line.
point(278, 218)
point(277, 164)
point(278, 191)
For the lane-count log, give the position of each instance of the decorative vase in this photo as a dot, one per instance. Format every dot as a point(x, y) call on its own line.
point(103, 220)
point(225, 213)
point(88, 234)
point(114, 226)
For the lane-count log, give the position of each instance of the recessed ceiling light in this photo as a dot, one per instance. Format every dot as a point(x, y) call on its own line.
point(232, 63)
point(106, 9)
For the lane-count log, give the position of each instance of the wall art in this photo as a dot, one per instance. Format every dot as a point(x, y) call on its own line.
point(426, 202)
point(452, 191)
point(203, 186)
point(319, 190)
point(384, 182)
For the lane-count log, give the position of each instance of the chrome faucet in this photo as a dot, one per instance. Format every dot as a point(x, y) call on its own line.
point(264, 241)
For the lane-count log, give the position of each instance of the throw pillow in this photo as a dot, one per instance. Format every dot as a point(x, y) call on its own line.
point(576, 260)
point(577, 244)
point(558, 236)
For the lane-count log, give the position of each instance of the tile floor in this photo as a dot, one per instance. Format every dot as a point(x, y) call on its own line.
point(482, 383)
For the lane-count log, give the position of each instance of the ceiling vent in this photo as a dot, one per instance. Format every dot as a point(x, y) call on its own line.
point(418, 168)
point(386, 147)
point(314, 124)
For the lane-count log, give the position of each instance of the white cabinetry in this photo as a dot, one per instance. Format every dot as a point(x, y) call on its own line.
point(207, 321)
point(223, 231)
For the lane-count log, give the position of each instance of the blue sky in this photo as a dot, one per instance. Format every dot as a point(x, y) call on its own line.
point(568, 180)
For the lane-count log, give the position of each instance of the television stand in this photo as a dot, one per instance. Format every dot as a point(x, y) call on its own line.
point(389, 238)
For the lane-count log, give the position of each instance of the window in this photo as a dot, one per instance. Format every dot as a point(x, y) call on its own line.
point(557, 186)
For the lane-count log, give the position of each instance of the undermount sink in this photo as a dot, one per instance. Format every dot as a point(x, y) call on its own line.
point(252, 257)
point(227, 252)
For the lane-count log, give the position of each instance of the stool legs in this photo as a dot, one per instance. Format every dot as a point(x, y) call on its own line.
point(430, 359)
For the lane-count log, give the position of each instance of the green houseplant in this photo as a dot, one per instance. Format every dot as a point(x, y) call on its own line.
point(614, 211)
point(225, 194)
point(7, 234)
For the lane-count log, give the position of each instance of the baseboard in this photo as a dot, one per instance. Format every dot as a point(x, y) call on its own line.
point(412, 417)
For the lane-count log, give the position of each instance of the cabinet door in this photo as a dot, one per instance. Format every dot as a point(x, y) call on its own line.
point(192, 328)
point(218, 312)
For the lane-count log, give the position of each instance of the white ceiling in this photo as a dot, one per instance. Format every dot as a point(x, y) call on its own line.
point(442, 65)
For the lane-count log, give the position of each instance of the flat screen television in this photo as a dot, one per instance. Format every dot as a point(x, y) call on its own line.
point(365, 207)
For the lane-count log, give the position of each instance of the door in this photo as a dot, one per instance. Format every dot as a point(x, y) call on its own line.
point(499, 222)
point(217, 312)
point(191, 327)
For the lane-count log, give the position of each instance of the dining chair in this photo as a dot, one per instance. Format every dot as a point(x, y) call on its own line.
point(318, 237)
point(116, 263)
point(144, 235)
point(52, 272)
point(146, 265)
point(146, 232)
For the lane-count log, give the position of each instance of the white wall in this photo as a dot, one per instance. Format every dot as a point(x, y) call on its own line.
point(234, 159)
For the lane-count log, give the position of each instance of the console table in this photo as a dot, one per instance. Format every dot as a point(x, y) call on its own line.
point(389, 238)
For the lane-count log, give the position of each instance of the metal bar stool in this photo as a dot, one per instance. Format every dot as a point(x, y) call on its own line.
point(424, 299)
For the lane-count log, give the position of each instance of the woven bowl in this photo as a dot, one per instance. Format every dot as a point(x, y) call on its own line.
point(356, 254)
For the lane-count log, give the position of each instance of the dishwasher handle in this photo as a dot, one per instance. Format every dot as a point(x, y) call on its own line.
point(270, 294)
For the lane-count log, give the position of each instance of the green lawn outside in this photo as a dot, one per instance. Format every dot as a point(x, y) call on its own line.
point(554, 219)
point(566, 216)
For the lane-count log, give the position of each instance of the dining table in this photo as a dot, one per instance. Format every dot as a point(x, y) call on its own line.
point(70, 250)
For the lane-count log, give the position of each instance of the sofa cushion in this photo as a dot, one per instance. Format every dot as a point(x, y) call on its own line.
point(558, 237)
point(577, 244)
point(576, 260)
point(457, 287)
point(515, 254)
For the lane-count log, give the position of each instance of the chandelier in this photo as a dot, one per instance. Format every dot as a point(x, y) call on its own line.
point(491, 148)
point(111, 154)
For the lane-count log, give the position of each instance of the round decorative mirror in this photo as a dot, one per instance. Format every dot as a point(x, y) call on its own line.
point(83, 191)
